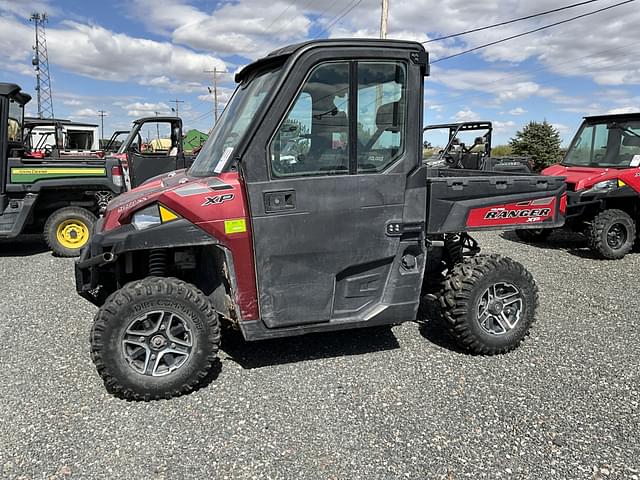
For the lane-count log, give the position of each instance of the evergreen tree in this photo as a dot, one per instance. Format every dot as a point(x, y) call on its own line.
point(541, 141)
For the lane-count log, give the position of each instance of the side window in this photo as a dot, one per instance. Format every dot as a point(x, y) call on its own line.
point(381, 114)
point(313, 139)
point(158, 139)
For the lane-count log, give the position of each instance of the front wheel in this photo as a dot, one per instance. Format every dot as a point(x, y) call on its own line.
point(155, 338)
point(69, 229)
point(489, 304)
point(611, 234)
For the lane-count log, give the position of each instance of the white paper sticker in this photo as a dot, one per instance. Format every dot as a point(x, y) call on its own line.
point(223, 160)
point(635, 161)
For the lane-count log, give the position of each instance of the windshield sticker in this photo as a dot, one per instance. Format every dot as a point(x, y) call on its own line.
point(223, 160)
point(218, 199)
point(635, 161)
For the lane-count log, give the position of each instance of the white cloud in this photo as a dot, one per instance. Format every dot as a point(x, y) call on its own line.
point(96, 52)
point(504, 86)
point(560, 127)
point(466, 115)
point(517, 111)
point(146, 109)
point(504, 127)
point(624, 110)
point(85, 112)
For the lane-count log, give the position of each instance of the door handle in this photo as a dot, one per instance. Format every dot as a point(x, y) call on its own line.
point(279, 201)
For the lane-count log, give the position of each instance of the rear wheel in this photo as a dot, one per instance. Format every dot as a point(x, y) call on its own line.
point(68, 230)
point(534, 235)
point(155, 338)
point(611, 234)
point(489, 304)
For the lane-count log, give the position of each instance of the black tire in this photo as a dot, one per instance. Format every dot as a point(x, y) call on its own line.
point(84, 221)
point(611, 234)
point(189, 314)
point(534, 235)
point(463, 297)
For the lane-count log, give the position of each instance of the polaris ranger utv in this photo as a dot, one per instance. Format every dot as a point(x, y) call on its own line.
point(350, 231)
point(602, 171)
point(474, 155)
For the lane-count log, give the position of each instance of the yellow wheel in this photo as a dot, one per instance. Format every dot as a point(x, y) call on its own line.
point(68, 230)
point(72, 233)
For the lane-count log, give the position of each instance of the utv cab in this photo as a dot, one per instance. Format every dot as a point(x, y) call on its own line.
point(468, 146)
point(602, 171)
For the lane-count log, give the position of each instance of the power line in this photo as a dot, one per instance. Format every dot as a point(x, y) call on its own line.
point(177, 109)
point(544, 27)
point(346, 12)
point(466, 32)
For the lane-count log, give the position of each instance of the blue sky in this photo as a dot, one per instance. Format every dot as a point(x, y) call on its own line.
point(131, 58)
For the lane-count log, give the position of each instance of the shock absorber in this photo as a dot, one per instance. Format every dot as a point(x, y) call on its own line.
point(158, 262)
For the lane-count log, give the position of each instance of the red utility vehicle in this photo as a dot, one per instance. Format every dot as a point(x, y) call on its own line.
point(602, 171)
point(309, 209)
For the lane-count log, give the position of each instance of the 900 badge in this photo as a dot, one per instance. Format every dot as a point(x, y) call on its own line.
point(218, 199)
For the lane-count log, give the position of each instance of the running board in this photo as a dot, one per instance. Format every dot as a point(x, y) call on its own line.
point(253, 330)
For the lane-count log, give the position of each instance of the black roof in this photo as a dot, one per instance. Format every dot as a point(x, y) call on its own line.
point(12, 90)
point(35, 121)
point(157, 119)
point(613, 117)
point(463, 125)
point(281, 54)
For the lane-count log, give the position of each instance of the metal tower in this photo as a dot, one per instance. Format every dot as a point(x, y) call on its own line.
point(41, 66)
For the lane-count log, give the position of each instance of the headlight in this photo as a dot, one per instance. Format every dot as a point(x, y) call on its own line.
point(151, 216)
point(605, 185)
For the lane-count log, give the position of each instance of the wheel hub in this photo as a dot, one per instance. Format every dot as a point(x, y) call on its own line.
point(500, 308)
point(72, 233)
point(157, 343)
point(616, 236)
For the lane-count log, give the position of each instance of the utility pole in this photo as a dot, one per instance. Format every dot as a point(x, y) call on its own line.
point(158, 125)
point(102, 114)
point(215, 92)
point(177, 109)
point(40, 64)
point(384, 17)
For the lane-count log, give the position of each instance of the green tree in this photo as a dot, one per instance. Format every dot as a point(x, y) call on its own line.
point(541, 141)
point(501, 151)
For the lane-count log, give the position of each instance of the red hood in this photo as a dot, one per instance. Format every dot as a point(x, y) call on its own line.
point(123, 205)
point(580, 178)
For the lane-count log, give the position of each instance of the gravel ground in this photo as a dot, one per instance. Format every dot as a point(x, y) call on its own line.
point(380, 403)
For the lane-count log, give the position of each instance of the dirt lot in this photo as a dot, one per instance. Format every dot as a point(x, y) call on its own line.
point(381, 403)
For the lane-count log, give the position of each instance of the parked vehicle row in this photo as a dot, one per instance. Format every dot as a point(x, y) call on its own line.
point(309, 209)
point(61, 192)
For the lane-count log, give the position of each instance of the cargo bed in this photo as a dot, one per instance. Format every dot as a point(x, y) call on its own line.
point(471, 200)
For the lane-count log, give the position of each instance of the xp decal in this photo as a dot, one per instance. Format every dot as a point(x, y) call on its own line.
point(218, 199)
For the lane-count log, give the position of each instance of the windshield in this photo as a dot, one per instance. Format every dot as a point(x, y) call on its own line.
point(607, 144)
point(233, 124)
point(16, 113)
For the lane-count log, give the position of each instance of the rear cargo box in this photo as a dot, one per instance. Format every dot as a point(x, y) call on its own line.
point(468, 200)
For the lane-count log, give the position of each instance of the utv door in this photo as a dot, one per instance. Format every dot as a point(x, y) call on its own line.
point(325, 210)
point(159, 152)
